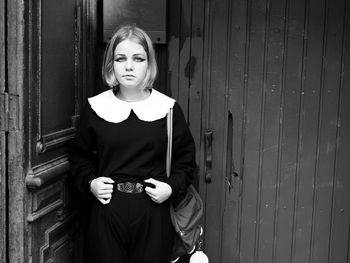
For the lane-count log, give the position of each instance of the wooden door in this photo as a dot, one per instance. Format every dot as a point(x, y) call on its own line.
point(59, 72)
point(276, 99)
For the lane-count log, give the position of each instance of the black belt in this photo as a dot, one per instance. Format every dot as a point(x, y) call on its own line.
point(130, 187)
point(133, 187)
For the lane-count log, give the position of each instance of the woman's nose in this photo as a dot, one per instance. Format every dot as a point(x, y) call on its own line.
point(129, 65)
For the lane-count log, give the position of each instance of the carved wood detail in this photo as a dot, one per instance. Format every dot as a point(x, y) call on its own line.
point(50, 171)
point(45, 195)
point(47, 209)
point(46, 200)
point(57, 243)
point(55, 139)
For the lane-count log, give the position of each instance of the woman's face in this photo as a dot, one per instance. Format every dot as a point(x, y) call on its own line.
point(130, 64)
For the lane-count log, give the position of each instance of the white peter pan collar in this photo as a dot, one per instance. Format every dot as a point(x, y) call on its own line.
point(112, 109)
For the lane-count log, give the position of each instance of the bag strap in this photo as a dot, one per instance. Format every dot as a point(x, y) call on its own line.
point(170, 141)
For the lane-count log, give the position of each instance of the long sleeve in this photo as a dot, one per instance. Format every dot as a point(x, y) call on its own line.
point(183, 155)
point(82, 153)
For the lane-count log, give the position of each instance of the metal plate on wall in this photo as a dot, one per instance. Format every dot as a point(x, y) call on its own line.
point(148, 15)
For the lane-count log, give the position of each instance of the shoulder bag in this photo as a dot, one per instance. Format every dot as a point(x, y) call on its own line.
point(187, 214)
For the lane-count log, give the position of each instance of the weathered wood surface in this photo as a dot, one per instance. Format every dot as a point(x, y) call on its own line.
point(270, 78)
point(15, 86)
point(3, 170)
point(62, 41)
point(281, 69)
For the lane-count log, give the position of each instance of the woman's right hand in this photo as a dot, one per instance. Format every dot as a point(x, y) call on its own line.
point(102, 188)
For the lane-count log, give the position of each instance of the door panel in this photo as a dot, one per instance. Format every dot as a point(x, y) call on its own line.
point(58, 64)
point(275, 92)
point(59, 68)
point(56, 83)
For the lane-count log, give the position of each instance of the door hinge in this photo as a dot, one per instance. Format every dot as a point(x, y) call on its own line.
point(9, 112)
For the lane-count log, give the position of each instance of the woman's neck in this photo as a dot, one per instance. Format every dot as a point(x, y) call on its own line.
point(132, 95)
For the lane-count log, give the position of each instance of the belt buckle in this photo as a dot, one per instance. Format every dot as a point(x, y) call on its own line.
point(129, 187)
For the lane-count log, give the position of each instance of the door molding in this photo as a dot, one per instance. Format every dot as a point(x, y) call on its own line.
point(42, 174)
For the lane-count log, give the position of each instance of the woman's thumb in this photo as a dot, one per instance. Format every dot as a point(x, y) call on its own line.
point(106, 180)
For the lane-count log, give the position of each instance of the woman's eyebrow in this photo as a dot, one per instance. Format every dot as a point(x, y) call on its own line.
point(119, 55)
point(137, 54)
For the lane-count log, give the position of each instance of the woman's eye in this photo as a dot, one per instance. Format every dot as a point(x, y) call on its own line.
point(139, 59)
point(121, 59)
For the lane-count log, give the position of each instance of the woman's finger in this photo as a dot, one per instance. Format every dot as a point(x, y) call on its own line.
point(108, 191)
point(106, 180)
point(150, 191)
point(152, 181)
point(104, 201)
point(106, 186)
point(105, 196)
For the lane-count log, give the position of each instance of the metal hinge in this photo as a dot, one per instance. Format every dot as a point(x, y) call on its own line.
point(9, 112)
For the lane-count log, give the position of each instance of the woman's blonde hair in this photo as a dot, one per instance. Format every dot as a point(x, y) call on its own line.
point(139, 36)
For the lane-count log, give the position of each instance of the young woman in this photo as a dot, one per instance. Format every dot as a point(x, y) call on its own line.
point(119, 157)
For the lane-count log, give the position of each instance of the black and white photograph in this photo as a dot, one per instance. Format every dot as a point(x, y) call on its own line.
point(174, 131)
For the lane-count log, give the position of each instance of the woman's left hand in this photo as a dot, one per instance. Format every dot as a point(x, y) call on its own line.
point(161, 191)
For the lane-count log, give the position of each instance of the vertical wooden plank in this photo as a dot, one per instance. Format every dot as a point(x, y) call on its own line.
point(161, 56)
point(3, 196)
point(90, 39)
point(236, 106)
point(3, 147)
point(228, 234)
point(17, 237)
point(216, 83)
point(16, 192)
point(185, 54)
point(271, 127)
point(195, 73)
point(327, 134)
point(341, 211)
point(293, 58)
point(308, 127)
point(252, 130)
point(174, 20)
point(179, 50)
point(2, 46)
point(207, 57)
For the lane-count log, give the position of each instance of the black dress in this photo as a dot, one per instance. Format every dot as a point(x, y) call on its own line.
point(131, 228)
